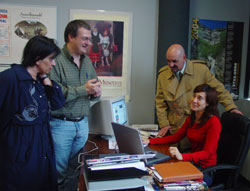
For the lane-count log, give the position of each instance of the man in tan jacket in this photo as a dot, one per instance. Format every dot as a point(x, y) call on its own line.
point(173, 95)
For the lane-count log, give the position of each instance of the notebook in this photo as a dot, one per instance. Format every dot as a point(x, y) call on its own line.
point(177, 171)
point(129, 141)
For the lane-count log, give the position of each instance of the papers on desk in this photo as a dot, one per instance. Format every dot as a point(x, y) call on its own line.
point(148, 134)
point(185, 185)
point(112, 143)
point(118, 159)
point(115, 173)
point(133, 164)
point(146, 127)
point(147, 130)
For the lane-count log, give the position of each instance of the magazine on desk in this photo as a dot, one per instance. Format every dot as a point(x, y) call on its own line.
point(118, 158)
point(117, 166)
point(119, 175)
point(131, 164)
point(186, 185)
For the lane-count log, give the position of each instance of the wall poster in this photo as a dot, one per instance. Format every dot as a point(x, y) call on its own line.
point(110, 49)
point(219, 43)
point(18, 24)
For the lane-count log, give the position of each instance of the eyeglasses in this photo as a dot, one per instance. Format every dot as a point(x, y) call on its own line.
point(87, 39)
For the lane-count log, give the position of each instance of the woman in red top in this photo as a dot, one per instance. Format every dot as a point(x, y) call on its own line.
point(202, 128)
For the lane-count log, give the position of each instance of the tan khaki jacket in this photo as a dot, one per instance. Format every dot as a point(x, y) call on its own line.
point(173, 97)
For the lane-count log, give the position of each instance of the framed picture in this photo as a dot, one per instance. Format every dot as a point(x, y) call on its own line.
point(20, 23)
point(219, 44)
point(110, 49)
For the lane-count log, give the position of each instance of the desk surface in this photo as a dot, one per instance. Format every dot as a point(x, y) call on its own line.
point(103, 149)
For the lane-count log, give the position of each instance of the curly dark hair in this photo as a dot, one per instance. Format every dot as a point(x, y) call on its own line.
point(212, 101)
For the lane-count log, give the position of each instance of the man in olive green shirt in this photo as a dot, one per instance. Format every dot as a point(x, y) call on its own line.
point(69, 126)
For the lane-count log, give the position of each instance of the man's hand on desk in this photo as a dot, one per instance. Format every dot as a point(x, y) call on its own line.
point(164, 131)
point(175, 153)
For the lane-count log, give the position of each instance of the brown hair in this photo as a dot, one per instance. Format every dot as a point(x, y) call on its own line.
point(212, 101)
point(72, 28)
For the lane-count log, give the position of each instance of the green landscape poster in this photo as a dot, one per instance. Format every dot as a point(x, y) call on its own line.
point(219, 44)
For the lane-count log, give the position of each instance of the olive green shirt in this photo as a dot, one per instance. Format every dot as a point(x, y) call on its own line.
point(72, 80)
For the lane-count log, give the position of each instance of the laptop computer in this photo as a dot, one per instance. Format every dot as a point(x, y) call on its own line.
point(129, 141)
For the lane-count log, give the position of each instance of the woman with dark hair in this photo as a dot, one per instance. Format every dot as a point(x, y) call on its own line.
point(202, 128)
point(27, 160)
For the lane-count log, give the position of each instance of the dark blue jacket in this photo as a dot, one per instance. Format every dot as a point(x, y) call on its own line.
point(27, 160)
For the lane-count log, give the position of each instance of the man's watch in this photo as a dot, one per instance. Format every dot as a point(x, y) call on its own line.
point(44, 77)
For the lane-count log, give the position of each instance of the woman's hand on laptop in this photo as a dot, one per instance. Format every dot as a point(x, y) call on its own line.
point(145, 141)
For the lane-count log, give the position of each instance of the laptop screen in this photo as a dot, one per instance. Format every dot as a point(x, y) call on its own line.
point(129, 141)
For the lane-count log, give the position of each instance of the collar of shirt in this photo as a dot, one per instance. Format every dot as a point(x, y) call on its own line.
point(183, 68)
point(179, 74)
point(68, 55)
point(21, 72)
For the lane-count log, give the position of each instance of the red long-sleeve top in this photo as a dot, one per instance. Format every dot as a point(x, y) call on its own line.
point(204, 141)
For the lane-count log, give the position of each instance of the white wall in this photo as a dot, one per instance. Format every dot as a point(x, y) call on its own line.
point(225, 10)
point(145, 21)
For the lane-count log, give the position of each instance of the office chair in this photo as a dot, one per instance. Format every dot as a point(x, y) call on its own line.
point(233, 146)
point(244, 106)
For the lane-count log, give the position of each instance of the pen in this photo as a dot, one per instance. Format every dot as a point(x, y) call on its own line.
point(87, 76)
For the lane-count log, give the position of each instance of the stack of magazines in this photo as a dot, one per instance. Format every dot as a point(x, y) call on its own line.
point(118, 172)
point(184, 185)
point(178, 175)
